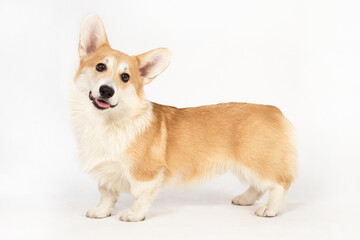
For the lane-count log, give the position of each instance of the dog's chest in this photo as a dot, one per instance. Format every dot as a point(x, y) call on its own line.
point(103, 141)
point(102, 151)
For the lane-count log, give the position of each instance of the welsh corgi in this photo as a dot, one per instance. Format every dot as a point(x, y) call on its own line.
point(129, 144)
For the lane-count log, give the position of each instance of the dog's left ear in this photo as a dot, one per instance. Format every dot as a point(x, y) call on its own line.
point(153, 63)
point(92, 36)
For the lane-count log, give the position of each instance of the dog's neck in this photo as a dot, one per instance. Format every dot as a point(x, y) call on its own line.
point(139, 118)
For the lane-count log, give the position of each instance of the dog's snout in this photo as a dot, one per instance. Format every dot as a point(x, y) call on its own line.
point(106, 91)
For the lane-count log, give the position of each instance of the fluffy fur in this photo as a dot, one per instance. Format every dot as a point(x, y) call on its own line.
point(139, 146)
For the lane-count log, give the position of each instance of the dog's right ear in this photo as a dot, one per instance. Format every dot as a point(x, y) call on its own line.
point(92, 36)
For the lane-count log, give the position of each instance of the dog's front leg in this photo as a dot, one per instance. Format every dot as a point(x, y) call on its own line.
point(143, 193)
point(106, 204)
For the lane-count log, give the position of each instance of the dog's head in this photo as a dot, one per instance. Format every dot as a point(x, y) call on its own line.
point(112, 80)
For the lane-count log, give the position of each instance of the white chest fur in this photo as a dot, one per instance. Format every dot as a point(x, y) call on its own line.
point(103, 140)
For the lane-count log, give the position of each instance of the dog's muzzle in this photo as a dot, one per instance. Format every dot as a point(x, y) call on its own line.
point(102, 103)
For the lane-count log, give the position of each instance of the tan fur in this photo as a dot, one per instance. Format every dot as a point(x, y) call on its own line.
point(191, 141)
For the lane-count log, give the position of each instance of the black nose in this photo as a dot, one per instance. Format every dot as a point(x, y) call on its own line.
point(106, 91)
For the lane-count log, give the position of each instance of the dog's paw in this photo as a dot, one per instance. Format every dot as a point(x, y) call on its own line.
point(243, 200)
point(130, 216)
point(97, 212)
point(265, 211)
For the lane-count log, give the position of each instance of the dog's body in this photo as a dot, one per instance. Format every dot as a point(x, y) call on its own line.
point(132, 145)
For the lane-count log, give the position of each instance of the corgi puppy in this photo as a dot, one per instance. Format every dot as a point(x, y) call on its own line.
point(129, 144)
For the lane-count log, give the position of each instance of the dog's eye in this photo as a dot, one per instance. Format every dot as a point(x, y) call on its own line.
point(100, 67)
point(125, 77)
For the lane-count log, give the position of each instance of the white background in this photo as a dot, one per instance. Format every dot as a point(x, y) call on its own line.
point(302, 56)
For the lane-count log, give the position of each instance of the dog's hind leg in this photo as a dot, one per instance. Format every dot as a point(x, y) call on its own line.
point(274, 204)
point(249, 197)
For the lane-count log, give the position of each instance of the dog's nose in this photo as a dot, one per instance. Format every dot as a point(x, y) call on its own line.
point(106, 91)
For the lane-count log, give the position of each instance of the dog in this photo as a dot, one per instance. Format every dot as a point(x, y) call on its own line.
point(129, 144)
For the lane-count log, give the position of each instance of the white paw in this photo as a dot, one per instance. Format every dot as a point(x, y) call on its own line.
point(130, 216)
point(265, 211)
point(97, 212)
point(243, 200)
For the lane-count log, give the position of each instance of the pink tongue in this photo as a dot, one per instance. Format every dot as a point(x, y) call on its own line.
point(102, 104)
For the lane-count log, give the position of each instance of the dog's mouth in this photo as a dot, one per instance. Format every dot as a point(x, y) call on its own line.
point(100, 103)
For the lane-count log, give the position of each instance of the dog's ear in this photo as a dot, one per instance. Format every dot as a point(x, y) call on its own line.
point(153, 63)
point(92, 36)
